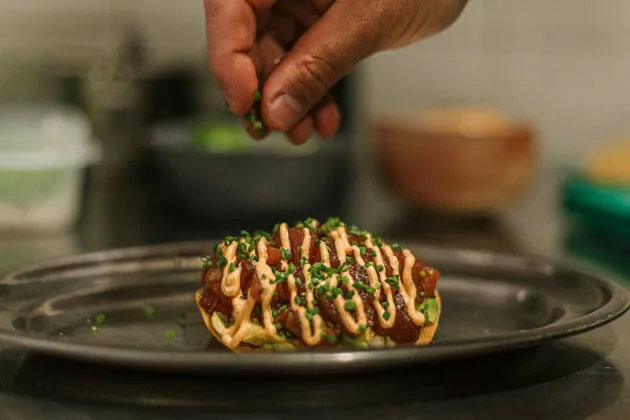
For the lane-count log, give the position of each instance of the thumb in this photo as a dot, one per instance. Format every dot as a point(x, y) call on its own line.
point(329, 50)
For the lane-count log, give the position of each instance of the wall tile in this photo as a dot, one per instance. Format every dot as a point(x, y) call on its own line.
point(404, 79)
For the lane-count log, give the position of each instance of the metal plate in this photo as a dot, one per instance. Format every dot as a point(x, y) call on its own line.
point(491, 303)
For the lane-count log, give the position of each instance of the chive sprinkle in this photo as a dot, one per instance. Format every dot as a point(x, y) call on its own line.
point(222, 261)
point(182, 320)
point(350, 305)
point(285, 253)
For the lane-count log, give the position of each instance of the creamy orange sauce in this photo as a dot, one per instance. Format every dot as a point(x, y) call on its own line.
point(231, 280)
point(415, 316)
point(377, 280)
point(342, 246)
point(354, 318)
point(266, 276)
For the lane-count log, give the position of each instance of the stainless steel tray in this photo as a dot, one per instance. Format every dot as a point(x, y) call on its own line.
point(135, 308)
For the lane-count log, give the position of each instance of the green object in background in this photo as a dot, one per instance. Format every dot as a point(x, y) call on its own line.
point(22, 188)
point(600, 207)
point(600, 251)
point(599, 224)
point(609, 199)
point(224, 137)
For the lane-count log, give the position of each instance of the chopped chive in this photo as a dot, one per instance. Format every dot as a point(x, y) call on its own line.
point(350, 305)
point(285, 253)
point(232, 267)
point(354, 231)
point(182, 320)
point(362, 327)
point(386, 315)
point(222, 261)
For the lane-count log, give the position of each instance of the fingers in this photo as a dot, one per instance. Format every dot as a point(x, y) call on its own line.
point(261, 5)
point(327, 117)
point(325, 53)
point(302, 131)
point(302, 11)
point(231, 35)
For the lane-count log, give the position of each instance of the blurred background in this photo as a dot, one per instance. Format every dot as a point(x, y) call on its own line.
point(508, 132)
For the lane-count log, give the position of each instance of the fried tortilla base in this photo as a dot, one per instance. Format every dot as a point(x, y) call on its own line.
point(426, 334)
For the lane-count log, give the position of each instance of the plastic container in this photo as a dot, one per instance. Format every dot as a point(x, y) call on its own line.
point(44, 150)
point(597, 206)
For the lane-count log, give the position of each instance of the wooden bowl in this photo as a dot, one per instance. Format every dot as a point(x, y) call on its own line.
point(456, 160)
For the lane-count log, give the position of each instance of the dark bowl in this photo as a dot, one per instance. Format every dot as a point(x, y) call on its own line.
point(257, 184)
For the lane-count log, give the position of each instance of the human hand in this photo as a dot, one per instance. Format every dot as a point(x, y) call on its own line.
point(296, 50)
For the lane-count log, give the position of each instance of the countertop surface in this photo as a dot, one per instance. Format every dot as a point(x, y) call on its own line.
point(581, 377)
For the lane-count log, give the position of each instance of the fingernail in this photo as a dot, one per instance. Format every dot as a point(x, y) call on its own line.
point(286, 110)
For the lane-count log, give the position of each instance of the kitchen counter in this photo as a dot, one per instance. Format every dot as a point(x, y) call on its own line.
point(581, 377)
